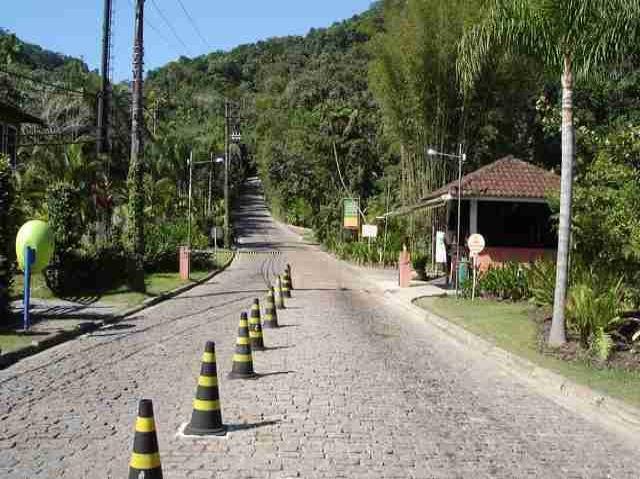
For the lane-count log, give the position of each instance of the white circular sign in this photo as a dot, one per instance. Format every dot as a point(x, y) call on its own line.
point(476, 244)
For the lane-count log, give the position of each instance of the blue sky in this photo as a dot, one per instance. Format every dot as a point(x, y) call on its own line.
point(73, 27)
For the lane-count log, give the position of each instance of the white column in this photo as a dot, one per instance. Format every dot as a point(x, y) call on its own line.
point(473, 217)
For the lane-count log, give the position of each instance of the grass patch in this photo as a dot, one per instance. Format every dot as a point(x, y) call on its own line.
point(12, 341)
point(513, 327)
point(121, 297)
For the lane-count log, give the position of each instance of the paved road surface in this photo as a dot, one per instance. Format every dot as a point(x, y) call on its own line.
point(352, 389)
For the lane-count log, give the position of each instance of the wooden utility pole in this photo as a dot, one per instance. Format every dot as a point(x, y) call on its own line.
point(105, 91)
point(136, 165)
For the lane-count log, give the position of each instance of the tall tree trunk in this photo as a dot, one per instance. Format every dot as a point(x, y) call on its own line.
point(557, 335)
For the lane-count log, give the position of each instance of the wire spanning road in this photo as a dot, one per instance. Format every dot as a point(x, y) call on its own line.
point(349, 388)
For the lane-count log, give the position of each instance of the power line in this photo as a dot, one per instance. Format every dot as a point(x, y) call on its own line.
point(195, 26)
point(155, 29)
point(166, 21)
point(51, 85)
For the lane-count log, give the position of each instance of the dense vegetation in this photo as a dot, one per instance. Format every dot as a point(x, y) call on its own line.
point(347, 110)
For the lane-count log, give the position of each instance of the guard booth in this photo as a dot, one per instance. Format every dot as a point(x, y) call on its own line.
point(11, 117)
point(506, 202)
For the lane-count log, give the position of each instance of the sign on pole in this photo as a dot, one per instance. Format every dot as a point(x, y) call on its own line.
point(476, 245)
point(369, 231)
point(441, 248)
point(351, 218)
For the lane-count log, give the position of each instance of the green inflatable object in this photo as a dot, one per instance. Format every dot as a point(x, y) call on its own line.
point(37, 235)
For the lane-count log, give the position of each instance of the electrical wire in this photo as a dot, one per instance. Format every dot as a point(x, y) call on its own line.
point(195, 26)
point(155, 29)
point(166, 21)
point(41, 82)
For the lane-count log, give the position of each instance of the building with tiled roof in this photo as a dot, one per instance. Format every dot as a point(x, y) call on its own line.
point(507, 203)
point(505, 178)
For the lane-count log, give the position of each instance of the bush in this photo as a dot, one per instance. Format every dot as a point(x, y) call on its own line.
point(419, 264)
point(542, 282)
point(6, 235)
point(593, 303)
point(506, 282)
point(163, 242)
point(66, 227)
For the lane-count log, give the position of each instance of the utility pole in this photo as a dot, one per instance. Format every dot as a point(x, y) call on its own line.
point(105, 91)
point(190, 162)
point(211, 166)
point(136, 165)
point(227, 236)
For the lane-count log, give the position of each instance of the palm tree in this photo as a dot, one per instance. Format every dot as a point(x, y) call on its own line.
point(572, 39)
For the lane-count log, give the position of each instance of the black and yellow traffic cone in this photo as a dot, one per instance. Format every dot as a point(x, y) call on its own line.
point(255, 327)
point(243, 358)
point(290, 275)
point(270, 313)
point(145, 458)
point(286, 290)
point(279, 296)
point(206, 418)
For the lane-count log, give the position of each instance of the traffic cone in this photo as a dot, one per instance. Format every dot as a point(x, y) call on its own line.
point(255, 327)
point(206, 418)
point(290, 275)
point(279, 296)
point(243, 359)
point(270, 313)
point(145, 458)
point(286, 290)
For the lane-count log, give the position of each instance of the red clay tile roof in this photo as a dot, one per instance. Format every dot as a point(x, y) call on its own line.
point(505, 178)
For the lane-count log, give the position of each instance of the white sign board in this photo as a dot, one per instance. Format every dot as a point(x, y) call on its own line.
point(369, 231)
point(441, 248)
point(476, 244)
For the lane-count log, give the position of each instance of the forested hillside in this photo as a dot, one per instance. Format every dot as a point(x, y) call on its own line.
point(348, 110)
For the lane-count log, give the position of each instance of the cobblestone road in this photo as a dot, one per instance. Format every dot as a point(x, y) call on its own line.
point(351, 389)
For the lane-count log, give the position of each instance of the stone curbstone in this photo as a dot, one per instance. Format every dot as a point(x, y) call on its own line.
point(12, 357)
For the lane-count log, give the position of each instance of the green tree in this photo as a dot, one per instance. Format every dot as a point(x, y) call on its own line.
point(574, 39)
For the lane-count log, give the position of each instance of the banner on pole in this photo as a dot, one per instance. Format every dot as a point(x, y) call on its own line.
point(351, 216)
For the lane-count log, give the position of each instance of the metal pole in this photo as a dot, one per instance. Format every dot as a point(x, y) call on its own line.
point(190, 161)
point(226, 175)
point(211, 166)
point(460, 159)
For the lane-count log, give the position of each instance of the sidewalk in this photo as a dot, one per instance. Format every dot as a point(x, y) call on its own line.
point(594, 406)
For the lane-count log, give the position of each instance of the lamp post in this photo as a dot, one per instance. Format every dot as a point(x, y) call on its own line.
point(190, 163)
point(461, 157)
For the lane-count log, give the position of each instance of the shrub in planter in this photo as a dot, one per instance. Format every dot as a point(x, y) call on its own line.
point(6, 232)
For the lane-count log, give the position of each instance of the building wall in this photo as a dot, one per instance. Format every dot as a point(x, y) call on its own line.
point(496, 256)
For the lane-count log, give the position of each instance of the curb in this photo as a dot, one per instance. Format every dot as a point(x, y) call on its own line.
point(595, 406)
point(36, 347)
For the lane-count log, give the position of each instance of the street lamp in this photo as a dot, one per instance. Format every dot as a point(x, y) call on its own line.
point(190, 163)
point(461, 157)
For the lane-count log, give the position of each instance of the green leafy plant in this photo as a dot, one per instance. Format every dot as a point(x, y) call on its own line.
point(542, 282)
point(66, 227)
point(594, 303)
point(601, 344)
point(508, 281)
point(419, 264)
